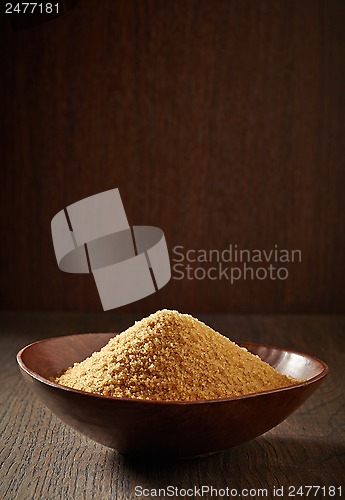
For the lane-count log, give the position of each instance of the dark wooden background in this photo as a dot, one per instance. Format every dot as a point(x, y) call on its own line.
point(219, 121)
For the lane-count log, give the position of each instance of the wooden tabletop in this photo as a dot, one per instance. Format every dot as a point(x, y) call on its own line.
point(42, 458)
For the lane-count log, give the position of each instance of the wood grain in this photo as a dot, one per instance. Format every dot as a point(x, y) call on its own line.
point(41, 458)
point(220, 122)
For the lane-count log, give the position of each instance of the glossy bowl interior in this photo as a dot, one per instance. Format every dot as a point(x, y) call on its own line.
point(170, 429)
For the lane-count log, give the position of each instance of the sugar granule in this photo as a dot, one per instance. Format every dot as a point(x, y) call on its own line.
point(170, 356)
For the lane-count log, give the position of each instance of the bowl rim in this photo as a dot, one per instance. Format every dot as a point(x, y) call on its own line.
point(323, 373)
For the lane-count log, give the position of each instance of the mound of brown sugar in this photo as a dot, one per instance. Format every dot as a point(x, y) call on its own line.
point(175, 357)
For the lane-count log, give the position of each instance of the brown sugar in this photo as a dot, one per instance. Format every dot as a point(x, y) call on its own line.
point(170, 356)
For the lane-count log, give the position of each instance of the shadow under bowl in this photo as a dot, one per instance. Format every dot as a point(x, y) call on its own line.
point(158, 428)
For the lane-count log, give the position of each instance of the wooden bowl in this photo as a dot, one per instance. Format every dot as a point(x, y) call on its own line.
point(170, 429)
